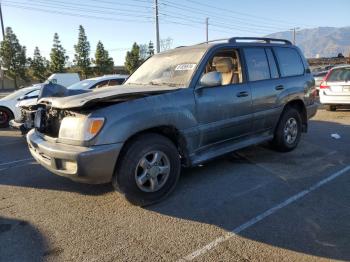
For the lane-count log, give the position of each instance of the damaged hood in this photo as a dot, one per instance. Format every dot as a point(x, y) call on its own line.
point(104, 94)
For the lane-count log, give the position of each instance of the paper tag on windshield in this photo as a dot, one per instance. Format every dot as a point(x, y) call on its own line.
point(185, 67)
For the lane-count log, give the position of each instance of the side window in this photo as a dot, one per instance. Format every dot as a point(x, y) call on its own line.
point(33, 94)
point(272, 63)
point(289, 61)
point(226, 62)
point(115, 82)
point(100, 84)
point(258, 67)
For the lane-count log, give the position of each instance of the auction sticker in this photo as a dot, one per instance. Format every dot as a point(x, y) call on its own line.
point(185, 67)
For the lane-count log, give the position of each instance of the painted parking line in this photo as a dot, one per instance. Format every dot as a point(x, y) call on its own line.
point(16, 161)
point(263, 215)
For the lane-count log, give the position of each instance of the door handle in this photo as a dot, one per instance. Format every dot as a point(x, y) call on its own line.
point(279, 87)
point(242, 94)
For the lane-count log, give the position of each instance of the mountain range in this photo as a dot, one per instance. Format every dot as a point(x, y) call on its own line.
point(321, 41)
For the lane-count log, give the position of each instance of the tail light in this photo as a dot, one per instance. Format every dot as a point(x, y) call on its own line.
point(323, 85)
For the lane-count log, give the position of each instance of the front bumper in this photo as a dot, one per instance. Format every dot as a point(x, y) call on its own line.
point(92, 165)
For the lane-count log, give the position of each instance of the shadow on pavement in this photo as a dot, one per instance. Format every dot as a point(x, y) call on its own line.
point(230, 191)
point(20, 241)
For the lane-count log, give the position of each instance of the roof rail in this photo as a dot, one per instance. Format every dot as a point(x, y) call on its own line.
point(215, 40)
point(264, 39)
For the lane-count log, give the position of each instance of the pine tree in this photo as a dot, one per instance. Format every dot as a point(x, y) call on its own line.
point(38, 66)
point(104, 63)
point(13, 56)
point(82, 53)
point(58, 56)
point(150, 48)
point(132, 59)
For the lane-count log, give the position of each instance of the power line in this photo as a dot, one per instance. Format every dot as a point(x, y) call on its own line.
point(75, 14)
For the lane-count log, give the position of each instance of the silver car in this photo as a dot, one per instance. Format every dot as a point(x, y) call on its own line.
point(335, 89)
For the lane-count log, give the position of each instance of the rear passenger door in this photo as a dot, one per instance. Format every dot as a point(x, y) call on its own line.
point(266, 87)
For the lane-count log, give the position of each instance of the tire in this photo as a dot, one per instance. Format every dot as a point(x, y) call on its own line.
point(285, 138)
point(331, 108)
point(133, 167)
point(5, 117)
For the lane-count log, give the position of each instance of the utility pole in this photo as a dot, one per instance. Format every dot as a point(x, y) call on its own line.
point(207, 29)
point(157, 26)
point(294, 34)
point(2, 24)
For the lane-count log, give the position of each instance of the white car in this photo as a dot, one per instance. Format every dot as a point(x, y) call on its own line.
point(335, 89)
point(28, 107)
point(8, 109)
point(98, 82)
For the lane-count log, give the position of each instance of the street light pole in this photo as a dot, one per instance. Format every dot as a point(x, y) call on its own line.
point(3, 38)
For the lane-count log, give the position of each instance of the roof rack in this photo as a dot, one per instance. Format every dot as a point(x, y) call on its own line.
point(263, 39)
point(242, 39)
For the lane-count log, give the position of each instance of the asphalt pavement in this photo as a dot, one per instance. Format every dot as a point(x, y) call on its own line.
point(253, 205)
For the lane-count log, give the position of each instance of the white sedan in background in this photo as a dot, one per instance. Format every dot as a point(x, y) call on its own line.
point(335, 89)
point(8, 109)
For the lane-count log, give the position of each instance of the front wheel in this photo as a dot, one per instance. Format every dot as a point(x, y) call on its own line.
point(148, 170)
point(288, 131)
point(5, 117)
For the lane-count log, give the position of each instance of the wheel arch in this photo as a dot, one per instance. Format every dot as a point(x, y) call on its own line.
point(168, 131)
point(299, 105)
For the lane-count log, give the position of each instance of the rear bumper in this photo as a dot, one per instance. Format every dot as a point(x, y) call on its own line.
point(334, 99)
point(92, 165)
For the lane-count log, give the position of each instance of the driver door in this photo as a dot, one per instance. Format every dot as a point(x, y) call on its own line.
point(224, 112)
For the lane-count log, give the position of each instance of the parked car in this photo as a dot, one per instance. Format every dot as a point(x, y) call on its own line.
point(335, 89)
point(181, 107)
point(319, 77)
point(28, 107)
point(8, 109)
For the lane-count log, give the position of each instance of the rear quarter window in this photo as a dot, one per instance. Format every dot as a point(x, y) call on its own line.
point(289, 61)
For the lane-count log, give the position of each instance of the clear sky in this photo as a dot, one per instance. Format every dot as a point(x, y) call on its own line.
point(119, 23)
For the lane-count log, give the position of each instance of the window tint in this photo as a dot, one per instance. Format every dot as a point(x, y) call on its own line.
point(33, 94)
point(100, 84)
point(258, 68)
point(289, 61)
point(272, 63)
point(115, 82)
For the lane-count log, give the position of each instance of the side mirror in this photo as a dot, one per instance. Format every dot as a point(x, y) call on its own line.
point(211, 79)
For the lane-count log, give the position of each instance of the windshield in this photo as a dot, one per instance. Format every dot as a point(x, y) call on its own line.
point(85, 84)
point(339, 74)
point(173, 68)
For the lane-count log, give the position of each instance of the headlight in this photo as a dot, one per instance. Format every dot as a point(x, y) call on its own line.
point(80, 128)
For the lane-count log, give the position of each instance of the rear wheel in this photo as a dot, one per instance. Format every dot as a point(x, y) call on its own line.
point(331, 108)
point(5, 117)
point(288, 131)
point(148, 170)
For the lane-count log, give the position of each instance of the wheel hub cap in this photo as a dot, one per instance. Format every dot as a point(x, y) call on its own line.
point(152, 171)
point(291, 130)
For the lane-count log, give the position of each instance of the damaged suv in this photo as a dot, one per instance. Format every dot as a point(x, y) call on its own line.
point(180, 108)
